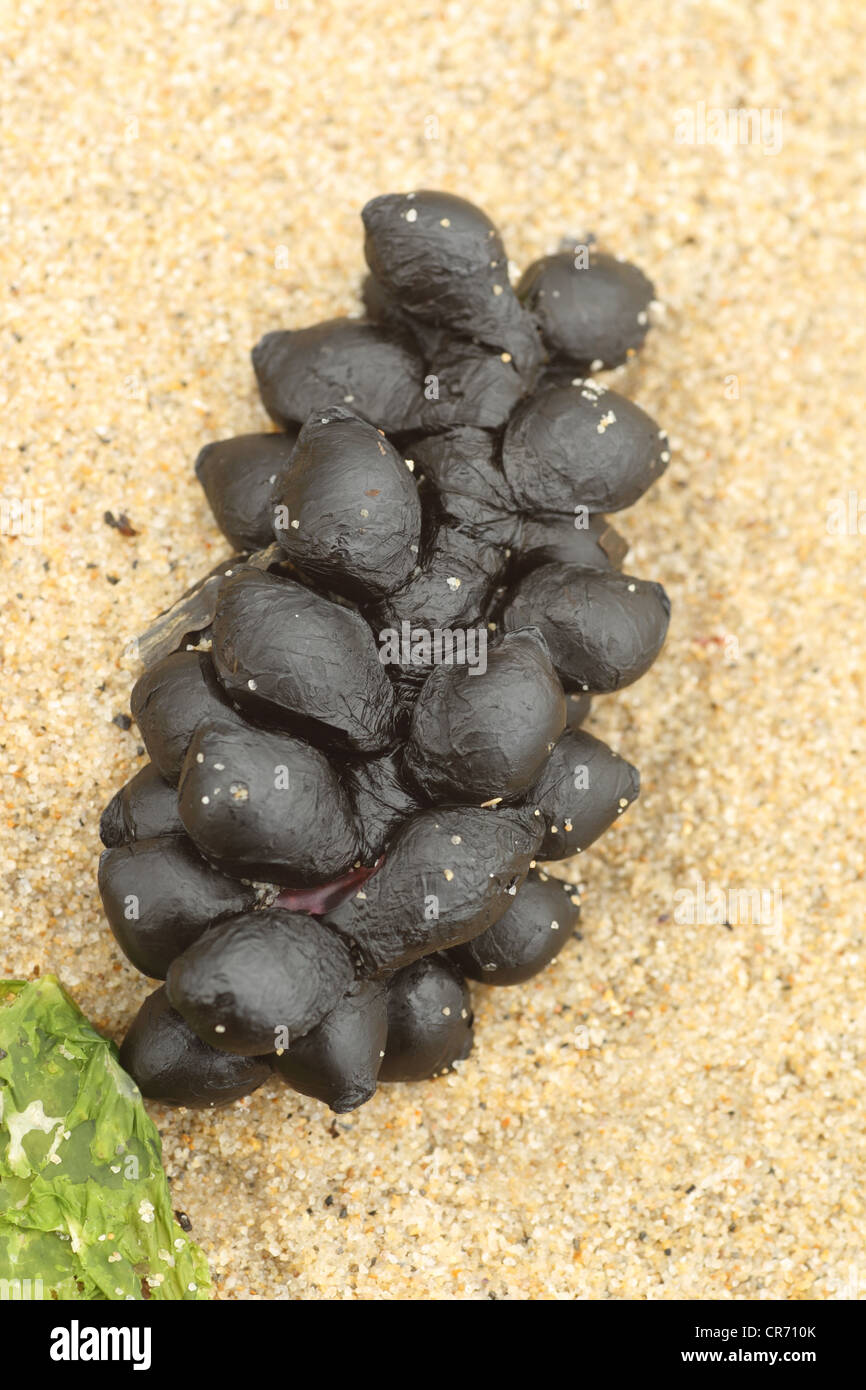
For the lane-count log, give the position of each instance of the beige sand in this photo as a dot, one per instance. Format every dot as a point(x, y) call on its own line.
point(674, 1110)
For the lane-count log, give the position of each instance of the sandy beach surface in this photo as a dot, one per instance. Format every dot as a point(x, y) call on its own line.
point(675, 1109)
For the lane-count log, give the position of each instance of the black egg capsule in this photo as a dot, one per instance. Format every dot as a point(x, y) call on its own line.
point(583, 789)
point(238, 477)
point(159, 896)
point(168, 703)
point(443, 260)
point(592, 309)
point(168, 1062)
point(584, 540)
point(291, 656)
point(429, 1021)
point(603, 629)
point(449, 873)
point(346, 510)
point(451, 589)
point(471, 489)
point(570, 448)
point(478, 734)
point(338, 1061)
point(468, 384)
point(265, 806)
point(527, 937)
point(260, 980)
point(382, 802)
point(143, 809)
point(375, 372)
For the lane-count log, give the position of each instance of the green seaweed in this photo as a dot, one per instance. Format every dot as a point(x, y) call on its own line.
point(85, 1210)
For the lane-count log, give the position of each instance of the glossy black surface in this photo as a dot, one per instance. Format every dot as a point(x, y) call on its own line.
point(584, 787)
point(159, 895)
point(429, 1021)
point(170, 1063)
point(340, 362)
point(604, 630)
point(591, 309)
point(478, 734)
point(143, 809)
point(527, 938)
point(238, 478)
point(449, 874)
point(573, 447)
point(347, 510)
point(443, 261)
point(260, 980)
point(338, 1061)
point(168, 703)
point(266, 806)
point(289, 655)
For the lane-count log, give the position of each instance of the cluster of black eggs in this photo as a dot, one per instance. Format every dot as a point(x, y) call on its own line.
point(333, 834)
